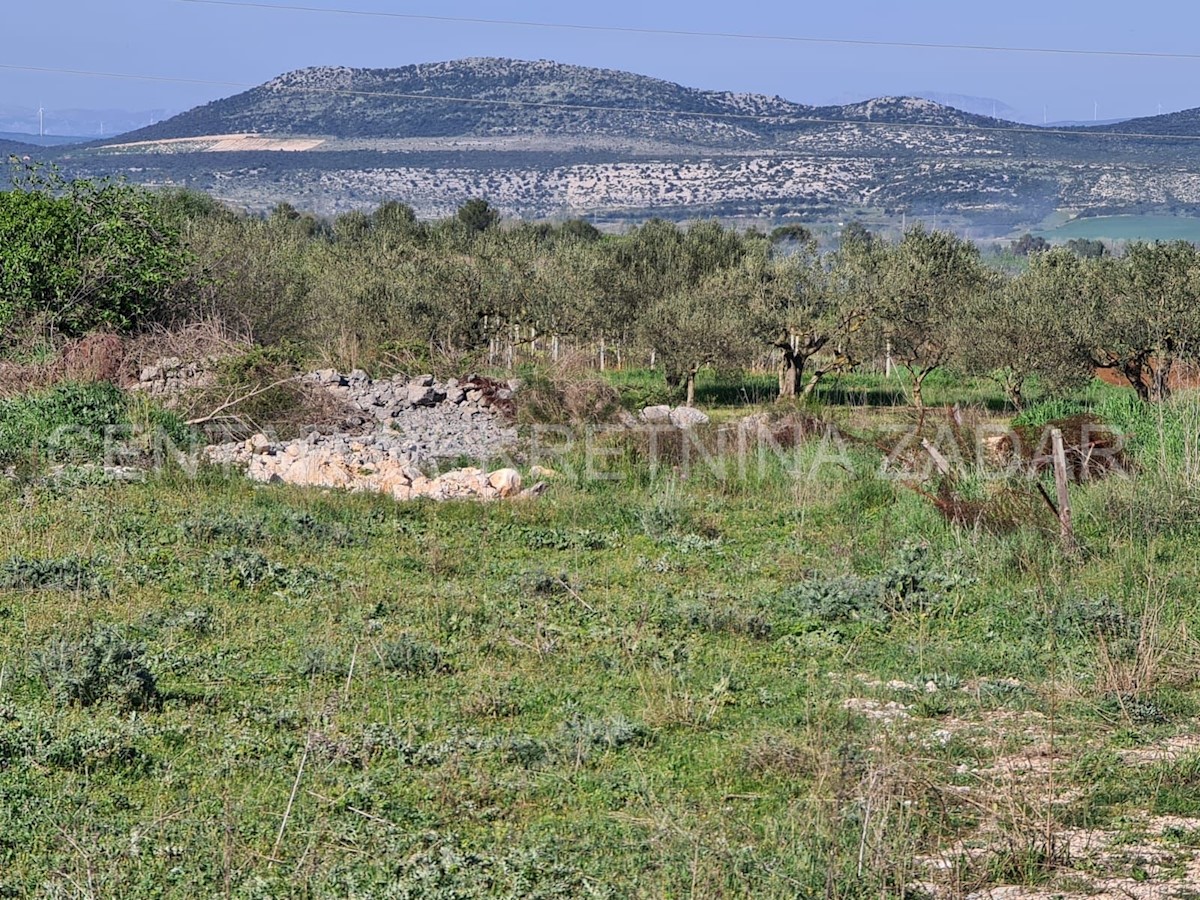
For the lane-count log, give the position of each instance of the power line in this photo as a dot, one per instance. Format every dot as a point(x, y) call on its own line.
point(678, 32)
point(794, 118)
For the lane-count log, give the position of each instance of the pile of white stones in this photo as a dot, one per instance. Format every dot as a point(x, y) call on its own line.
point(366, 463)
point(411, 426)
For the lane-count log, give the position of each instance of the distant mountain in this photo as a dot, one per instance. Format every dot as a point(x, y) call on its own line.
point(1185, 123)
point(1081, 123)
point(546, 139)
point(501, 97)
point(16, 148)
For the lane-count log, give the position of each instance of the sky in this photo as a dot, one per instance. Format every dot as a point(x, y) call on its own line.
point(240, 47)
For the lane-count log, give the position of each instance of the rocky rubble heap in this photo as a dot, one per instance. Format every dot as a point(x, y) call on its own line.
point(409, 426)
point(426, 419)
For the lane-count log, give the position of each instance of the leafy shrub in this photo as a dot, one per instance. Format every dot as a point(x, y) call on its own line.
point(721, 619)
point(84, 254)
point(1090, 617)
point(668, 511)
point(100, 666)
point(522, 750)
point(410, 656)
point(909, 584)
point(196, 620)
point(317, 661)
point(580, 736)
point(1140, 710)
point(445, 869)
point(547, 538)
point(267, 527)
point(841, 599)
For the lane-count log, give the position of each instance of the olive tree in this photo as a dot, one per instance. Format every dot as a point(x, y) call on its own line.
point(657, 261)
point(1022, 327)
point(1142, 314)
point(791, 306)
point(927, 283)
point(708, 324)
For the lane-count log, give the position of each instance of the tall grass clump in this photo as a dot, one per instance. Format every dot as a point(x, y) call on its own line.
point(1161, 496)
point(1162, 436)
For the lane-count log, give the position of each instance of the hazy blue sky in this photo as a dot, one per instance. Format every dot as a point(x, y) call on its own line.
point(186, 40)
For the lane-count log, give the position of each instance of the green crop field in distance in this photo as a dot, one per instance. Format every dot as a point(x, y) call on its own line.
point(1128, 228)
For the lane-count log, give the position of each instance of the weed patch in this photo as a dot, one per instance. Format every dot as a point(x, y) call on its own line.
point(69, 573)
point(100, 666)
point(412, 657)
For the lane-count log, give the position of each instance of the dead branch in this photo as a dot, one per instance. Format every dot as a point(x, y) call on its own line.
point(202, 420)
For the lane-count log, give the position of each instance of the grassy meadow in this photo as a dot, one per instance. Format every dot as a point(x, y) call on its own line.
point(786, 675)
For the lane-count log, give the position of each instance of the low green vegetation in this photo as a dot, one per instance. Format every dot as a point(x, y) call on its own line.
point(74, 422)
point(796, 677)
point(782, 654)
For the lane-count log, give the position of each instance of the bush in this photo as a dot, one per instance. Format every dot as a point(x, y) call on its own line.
point(565, 394)
point(910, 584)
point(580, 736)
point(101, 666)
point(843, 599)
point(249, 570)
point(81, 255)
point(260, 390)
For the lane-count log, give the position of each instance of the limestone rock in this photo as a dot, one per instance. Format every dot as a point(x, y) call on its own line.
point(411, 424)
point(655, 415)
point(507, 482)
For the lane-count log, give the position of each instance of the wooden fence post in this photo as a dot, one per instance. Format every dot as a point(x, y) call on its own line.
point(1066, 529)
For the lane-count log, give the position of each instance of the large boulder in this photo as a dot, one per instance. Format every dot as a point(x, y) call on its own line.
point(687, 417)
point(421, 395)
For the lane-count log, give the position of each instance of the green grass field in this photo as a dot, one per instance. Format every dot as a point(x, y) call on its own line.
point(1128, 228)
point(795, 678)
